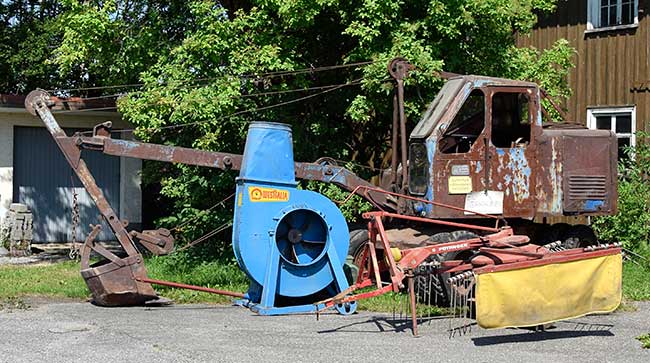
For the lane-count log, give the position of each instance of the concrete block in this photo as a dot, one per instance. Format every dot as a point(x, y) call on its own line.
point(18, 207)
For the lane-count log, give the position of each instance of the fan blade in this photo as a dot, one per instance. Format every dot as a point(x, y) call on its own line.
point(295, 256)
point(313, 242)
point(284, 246)
point(306, 252)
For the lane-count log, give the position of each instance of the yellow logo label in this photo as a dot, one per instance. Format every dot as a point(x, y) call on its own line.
point(459, 184)
point(259, 194)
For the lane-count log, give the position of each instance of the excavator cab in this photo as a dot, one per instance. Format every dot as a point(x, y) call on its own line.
point(481, 146)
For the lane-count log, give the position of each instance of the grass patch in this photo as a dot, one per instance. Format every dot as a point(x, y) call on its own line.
point(636, 282)
point(394, 302)
point(216, 275)
point(62, 280)
point(645, 340)
point(54, 280)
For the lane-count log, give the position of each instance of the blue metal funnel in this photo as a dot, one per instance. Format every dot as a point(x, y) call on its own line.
point(291, 243)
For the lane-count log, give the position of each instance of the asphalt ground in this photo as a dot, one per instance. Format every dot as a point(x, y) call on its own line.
point(81, 332)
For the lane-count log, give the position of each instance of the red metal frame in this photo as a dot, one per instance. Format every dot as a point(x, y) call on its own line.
point(190, 287)
point(556, 257)
point(411, 258)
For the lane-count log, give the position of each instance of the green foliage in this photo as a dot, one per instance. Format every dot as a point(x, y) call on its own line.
point(645, 340)
point(531, 64)
point(70, 43)
point(112, 42)
point(352, 206)
point(27, 33)
point(214, 67)
point(631, 225)
point(636, 285)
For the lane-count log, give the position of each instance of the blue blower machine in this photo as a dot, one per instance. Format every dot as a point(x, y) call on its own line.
point(291, 243)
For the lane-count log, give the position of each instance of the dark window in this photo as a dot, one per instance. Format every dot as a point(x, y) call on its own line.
point(604, 122)
point(623, 123)
point(510, 120)
point(466, 126)
point(627, 12)
point(615, 12)
point(418, 168)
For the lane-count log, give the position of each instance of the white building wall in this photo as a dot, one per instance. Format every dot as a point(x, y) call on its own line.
point(130, 191)
point(6, 166)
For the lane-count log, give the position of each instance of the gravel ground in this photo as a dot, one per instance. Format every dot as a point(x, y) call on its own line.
point(81, 332)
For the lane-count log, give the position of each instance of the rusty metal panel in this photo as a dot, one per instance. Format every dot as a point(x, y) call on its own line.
point(548, 183)
point(510, 170)
point(589, 181)
point(578, 172)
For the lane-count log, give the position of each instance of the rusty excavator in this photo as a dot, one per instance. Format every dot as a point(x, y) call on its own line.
point(459, 217)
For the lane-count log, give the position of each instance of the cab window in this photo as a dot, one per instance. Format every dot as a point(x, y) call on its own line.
point(467, 125)
point(510, 120)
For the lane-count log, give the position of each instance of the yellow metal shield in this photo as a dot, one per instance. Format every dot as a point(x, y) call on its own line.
point(542, 294)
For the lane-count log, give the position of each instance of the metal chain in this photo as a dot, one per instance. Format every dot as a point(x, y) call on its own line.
point(75, 250)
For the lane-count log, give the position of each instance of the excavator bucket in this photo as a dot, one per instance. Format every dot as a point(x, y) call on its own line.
point(116, 283)
point(560, 287)
point(114, 280)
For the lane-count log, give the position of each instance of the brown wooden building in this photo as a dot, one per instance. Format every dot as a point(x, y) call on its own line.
point(611, 78)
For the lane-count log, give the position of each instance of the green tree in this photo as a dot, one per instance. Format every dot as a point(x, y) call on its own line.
point(26, 36)
point(108, 43)
point(631, 224)
point(233, 60)
point(73, 44)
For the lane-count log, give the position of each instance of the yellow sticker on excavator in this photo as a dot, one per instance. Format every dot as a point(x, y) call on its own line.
point(459, 184)
point(260, 194)
point(547, 293)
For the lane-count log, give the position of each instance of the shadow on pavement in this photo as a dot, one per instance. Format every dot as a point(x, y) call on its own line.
point(380, 324)
point(539, 336)
point(374, 325)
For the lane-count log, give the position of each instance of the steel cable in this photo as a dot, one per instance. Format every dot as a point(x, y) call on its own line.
point(266, 75)
point(178, 228)
point(237, 113)
point(206, 236)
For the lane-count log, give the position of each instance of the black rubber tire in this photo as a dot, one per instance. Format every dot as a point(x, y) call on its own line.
point(440, 291)
point(358, 240)
point(579, 236)
point(551, 233)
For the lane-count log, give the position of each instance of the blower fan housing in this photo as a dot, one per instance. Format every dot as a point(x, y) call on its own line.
point(291, 243)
